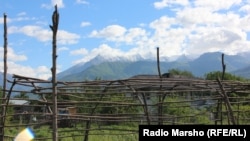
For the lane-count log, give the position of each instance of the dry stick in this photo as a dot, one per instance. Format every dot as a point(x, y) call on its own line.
point(160, 99)
point(43, 97)
point(223, 66)
point(146, 111)
point(47, 106)
point(88, 123)
point(54, 28)
point(142, 101)
point(219, 104)
point(7, 99)
point(222, 78)
point(5, 77)
point(227, 102)
point(224, 95)
point(158, 63)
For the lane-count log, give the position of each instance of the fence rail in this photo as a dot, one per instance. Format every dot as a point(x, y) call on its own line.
point(117, 107)
point(113, 109)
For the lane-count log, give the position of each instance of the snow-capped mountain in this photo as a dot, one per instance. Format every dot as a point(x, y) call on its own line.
point(108, 67)
point(96, 61)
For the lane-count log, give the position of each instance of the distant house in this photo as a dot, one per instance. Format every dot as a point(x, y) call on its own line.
point(64, 116)
point(152, 76)
point(20, 106)
point(19, 102)
point(21, 109)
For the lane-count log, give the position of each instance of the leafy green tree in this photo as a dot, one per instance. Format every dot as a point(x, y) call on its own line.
point(227, 76)
point(183, 112)
point(181, 72)
point(22, 95)
point(233, 97)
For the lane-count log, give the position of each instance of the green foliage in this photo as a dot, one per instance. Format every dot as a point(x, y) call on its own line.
point(227, 76)
point(181, 72)
point(182, 111)
point(106, 70)
point(113, 133)
point(243, 115)
point(9, 110)
point(22, 95)
point(110, 133)
point(1, 95)
point(115, 108)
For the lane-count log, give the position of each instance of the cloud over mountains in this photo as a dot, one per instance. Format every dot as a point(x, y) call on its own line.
point(88, 29)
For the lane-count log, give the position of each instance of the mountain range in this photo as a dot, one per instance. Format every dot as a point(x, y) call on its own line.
point(120, 68)
point(105, 68)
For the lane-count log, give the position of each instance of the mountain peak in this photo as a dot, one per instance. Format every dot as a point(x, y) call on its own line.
point(111, 58)
point(125, 65)
point(183, 58)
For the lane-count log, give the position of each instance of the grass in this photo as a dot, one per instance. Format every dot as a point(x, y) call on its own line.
point(105, 133)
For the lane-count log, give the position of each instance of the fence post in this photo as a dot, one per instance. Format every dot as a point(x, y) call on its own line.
point(54, 27)
point(3, 102)
point(160, 97)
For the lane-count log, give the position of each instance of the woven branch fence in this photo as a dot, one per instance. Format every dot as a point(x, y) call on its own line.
point(113, 109)
point(100, 107)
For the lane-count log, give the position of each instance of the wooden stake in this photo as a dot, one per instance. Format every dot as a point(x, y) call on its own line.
point(54, 27)
point(5, 77)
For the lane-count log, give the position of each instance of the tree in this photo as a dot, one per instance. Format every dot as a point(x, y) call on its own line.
point(227, 76)
point(22, 95)
point(233, 97)
point(181, 72)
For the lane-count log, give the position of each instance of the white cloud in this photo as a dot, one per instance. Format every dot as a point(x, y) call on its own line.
point(167, 3)
point(84, 24)
point(41, 72)
point(210, 40)
point(8, 20)
point(12, 55)
point(81, 51)
point(22, 14)
point(13, 68)
point(59, 4)
point(215, 5)
point(245, 8)
point(45, 35)
point(199, 26)
point(65, 37)
point(109, 32)
point(82, 2)
point(244, 23)
point(106, 50)
point(32, 31)
point(103, 49)
point(133, 35)
point(163, 22)
point(197, 15)
point(117, 33)
point(62, 49)
point(194, 27)
point(144, 43)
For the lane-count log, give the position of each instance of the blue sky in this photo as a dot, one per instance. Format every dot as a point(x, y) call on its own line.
point(115, 28)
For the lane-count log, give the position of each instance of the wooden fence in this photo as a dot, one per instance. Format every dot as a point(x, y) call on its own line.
point(113, 109)
point(95, 108)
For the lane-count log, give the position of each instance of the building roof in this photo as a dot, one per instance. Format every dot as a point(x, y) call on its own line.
point(19, 102)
